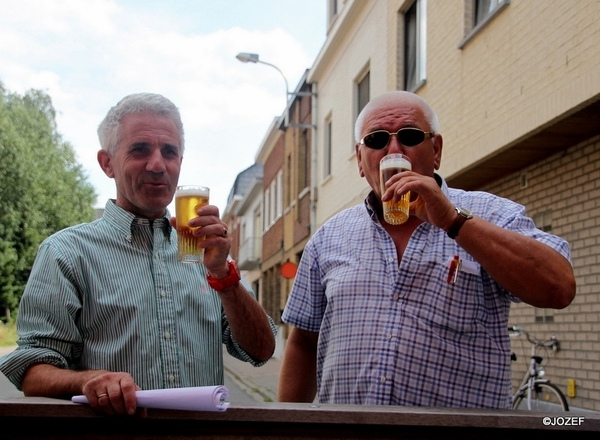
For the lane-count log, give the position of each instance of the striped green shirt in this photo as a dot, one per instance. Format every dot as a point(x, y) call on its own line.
point(111, 295)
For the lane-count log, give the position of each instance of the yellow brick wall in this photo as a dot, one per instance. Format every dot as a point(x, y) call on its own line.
point(568, 184)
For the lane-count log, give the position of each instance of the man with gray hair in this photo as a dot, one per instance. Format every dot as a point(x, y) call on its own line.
point(415, 313)
point(108, 309)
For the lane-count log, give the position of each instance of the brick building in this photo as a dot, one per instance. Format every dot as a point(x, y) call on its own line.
point(516, 85)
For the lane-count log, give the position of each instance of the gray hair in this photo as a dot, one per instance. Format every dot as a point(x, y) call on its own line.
point(110, 127)
point(392, 98)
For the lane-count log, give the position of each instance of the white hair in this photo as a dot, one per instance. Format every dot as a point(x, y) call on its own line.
point(109, 129)
point(395, 97)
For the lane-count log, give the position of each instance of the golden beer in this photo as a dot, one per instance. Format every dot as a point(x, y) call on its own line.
point(187, 200)
point(394, 213)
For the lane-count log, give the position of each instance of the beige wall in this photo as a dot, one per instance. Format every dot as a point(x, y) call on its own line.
point(362, 45)
point(534, 62)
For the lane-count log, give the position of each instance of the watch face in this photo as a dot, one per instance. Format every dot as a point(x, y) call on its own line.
point(464, 212)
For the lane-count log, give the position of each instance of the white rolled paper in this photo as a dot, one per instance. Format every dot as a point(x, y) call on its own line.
point(209, 398)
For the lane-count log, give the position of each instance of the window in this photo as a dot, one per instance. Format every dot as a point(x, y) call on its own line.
point(478, 13)
point(272, 201)
point(363, 93)
point(266, 206)
point(544, 315)
point(303, 152)
point(327, 150)
point(287, 200)
point(332, 9)
point(257, 235)
point(484, 9)
point(415, 39)
point(279, 191)
point(543, 221)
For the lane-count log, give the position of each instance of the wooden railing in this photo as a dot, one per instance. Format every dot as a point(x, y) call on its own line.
point(43, 418)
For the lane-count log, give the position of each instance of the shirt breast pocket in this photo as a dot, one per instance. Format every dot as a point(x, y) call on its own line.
point(455, 302)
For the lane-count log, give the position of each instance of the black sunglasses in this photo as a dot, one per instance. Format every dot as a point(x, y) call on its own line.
point(409, 137)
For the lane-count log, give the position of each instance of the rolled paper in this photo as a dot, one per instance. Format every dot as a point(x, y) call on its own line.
point(209, 398)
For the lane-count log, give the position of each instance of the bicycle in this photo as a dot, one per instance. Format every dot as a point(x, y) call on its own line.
point(535, 393)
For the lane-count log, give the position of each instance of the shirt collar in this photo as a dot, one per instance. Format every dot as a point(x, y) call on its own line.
point(124, 221)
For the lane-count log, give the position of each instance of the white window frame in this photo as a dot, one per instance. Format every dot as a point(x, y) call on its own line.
point(420, 46)
point(328, 147)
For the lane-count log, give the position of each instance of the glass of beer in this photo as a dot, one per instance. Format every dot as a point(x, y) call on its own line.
point(394, 213)
point(188, 199)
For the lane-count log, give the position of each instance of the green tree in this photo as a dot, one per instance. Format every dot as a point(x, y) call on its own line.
point(42, 187)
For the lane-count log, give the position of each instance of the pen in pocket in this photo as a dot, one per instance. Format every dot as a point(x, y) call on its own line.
point(454, 269)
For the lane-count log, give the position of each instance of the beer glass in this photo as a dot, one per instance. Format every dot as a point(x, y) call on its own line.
point(188, 199)
point(394, 213)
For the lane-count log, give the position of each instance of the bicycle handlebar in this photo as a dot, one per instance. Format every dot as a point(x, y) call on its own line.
point(551, 343)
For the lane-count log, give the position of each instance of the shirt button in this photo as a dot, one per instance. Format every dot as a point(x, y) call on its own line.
point(391, 260)
point(388, 336)
point(163, 293)
point(171, 378)
point(383, 379)
point(167, 335)
point(396, 297)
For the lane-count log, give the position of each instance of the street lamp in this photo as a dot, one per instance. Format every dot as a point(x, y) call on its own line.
point(246, 57)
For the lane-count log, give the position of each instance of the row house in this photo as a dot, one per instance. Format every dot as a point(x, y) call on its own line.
point(269, 209)
point(516, 86)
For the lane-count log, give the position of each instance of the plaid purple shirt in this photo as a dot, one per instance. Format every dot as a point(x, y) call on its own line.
point(398, 333)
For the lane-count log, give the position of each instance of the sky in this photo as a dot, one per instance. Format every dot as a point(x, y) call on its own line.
point(88, 54)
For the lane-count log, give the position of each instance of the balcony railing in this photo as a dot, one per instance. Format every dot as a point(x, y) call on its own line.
point(43, 418)
point(249, 253)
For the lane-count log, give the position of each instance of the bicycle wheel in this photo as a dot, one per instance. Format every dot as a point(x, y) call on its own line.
point(546, 397)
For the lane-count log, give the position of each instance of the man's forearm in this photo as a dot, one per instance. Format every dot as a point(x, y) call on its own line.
point(530, 270)
point(248, 322)
point(298, 375)
point(50, 381)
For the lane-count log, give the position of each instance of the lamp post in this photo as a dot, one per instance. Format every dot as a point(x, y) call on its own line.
point(246, 57)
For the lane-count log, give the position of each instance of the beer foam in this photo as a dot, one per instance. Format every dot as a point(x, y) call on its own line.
point(397, 162)
point(198, 191)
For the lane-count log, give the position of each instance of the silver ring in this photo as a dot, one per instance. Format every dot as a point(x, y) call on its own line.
point(224, 232)
point(102, 395)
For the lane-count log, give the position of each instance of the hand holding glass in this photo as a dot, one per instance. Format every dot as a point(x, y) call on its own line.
point(394, 213)
point(188, 199)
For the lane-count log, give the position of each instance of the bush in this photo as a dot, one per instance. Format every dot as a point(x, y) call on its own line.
point(8, 334)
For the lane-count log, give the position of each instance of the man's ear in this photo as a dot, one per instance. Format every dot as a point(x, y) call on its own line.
point(104, 160)
point(438, 143)
point(358, 160)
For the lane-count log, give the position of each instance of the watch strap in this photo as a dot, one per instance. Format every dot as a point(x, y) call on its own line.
point(460, 220)
point(230, 280)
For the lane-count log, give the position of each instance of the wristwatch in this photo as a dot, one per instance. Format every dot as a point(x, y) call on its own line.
point(463, 215)
point(232, 278)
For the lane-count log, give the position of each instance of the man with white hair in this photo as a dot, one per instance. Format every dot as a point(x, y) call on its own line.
point(380, 313)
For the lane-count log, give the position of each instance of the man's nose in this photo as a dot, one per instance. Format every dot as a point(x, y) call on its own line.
point(394, 145)
point(156, 162)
